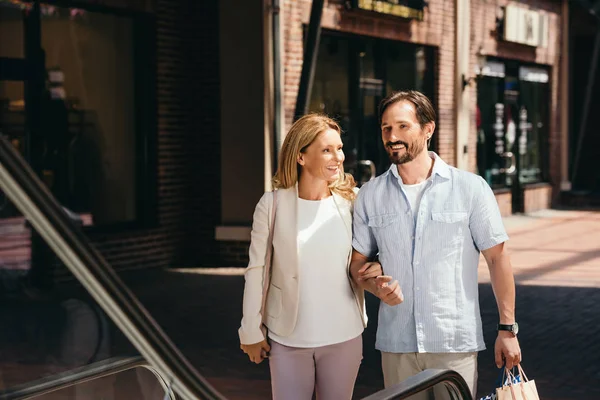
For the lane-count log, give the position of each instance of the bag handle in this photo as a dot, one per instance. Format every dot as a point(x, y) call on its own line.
point(522, 373)
point(268, 257)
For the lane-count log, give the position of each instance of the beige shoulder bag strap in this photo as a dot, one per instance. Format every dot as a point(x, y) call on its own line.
point(268, 257)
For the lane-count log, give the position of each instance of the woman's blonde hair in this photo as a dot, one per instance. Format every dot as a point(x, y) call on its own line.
point(301, 135)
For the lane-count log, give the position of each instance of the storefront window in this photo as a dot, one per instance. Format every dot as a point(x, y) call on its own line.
point(512, 123)
point(90, 107)
point(11, 26)
point(353, 74)
point(79, 108)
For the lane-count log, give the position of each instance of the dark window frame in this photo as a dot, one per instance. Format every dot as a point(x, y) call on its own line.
point(145, 118)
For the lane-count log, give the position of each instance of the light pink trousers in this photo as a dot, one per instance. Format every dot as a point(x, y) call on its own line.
point(296, 372)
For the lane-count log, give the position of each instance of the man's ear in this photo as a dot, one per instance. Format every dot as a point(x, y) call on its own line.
point(429, 129)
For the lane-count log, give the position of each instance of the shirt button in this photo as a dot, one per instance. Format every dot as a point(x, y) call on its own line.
point(418, 288)
point(416, 263)
point(412, 237)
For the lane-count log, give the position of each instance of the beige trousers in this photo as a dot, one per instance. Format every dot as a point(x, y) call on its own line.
point(400, 366)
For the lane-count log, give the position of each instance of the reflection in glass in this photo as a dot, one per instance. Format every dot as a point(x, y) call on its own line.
point(88, 112)
point(353, 74)
point(512, 118)
point(12, 29)
point(46, 330)
point(138, 383)
point(12, 125)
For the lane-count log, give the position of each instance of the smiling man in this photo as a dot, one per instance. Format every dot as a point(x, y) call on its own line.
point(428, 223)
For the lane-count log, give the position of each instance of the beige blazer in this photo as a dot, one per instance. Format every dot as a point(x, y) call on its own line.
point(282, 301)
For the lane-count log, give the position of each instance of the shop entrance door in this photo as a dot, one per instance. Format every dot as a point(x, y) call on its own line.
point(512, 137)
point(353, 74)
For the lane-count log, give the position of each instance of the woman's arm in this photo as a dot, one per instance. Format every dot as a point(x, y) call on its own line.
point(250, 331)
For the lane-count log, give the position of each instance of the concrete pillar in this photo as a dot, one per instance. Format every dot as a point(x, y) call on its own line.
point(462, 109)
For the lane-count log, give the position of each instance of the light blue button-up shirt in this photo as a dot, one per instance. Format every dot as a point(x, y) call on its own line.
point(434, 256)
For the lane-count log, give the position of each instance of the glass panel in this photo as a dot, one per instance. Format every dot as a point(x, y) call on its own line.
point(89, 111)
point(492, 129)
point(401, 67)
point(12, 125)
point(49, 322)
point(371, 91)
point(329, 92)
point(533, 125)
point(12, 30)
point(137, 383)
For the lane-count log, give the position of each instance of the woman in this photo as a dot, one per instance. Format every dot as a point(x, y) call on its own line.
point(314, 314)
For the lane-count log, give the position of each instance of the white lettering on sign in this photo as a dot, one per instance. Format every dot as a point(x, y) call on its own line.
point(525, 26)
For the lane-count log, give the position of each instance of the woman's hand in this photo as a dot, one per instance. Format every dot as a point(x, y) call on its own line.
point(370, 270)
point(257, 352)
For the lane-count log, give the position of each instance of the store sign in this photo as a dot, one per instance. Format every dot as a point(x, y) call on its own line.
point(532, 74)
point(525, 26)
point(493, 69)
point(412, 9)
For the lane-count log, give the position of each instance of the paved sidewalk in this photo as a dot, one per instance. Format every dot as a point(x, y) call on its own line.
point(556, 258)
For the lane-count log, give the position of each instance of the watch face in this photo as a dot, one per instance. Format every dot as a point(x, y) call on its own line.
point(515, 328)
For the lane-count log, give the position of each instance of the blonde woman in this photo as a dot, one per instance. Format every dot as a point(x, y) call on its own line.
point(314, 314)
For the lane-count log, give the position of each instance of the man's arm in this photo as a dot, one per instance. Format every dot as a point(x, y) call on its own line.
point(503, 284)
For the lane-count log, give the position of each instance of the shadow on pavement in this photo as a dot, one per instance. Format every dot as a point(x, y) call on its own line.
point(201, 313)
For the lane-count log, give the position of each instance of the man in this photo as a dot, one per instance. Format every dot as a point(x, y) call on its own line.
point(428, 222)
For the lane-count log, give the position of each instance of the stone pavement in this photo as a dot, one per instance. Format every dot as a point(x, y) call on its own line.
point(556, 258)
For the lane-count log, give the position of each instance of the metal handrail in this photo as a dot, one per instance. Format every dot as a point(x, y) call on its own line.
point(32, 198)
point(423, 381)
point(98, 370)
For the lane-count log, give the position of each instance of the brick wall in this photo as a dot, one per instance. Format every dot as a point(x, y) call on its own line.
point(484, 33)
point(504, 200)
point(188, 144)
point(537, 198)
point(437, 29)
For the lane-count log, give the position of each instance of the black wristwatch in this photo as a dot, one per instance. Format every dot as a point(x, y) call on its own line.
point(514, 328)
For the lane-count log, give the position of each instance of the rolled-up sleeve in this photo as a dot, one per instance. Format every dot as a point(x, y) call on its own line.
point(250, 330)
point(363, 240)
point(485, 223)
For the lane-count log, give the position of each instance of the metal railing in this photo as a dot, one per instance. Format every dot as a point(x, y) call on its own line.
point(423, 381)
point(81, 375)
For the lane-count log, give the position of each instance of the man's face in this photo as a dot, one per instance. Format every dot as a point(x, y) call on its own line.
point(402, 135)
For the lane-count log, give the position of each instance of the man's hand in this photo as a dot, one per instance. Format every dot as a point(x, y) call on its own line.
point(368, 271)
point(389, 292)
point(257, 352)
point(507, 350)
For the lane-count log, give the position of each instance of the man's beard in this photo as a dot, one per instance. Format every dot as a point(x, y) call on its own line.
point(410, 151)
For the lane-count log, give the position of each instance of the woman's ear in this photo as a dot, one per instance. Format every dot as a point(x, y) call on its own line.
point(300, 159)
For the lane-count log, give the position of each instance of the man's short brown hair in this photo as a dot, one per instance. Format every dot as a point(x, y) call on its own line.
point(423, 107)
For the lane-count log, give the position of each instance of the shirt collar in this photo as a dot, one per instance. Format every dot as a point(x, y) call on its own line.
point(439, 168)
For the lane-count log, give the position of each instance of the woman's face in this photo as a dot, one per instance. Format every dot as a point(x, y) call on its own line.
point(324, 157)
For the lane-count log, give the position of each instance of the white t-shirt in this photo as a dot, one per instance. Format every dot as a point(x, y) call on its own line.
point(327, 309)
point(414, 194)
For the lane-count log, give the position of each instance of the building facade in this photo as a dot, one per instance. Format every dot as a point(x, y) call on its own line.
point(125, 94)
point(166, 140)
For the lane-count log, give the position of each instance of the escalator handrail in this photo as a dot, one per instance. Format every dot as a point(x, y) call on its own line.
point(64, 380)
point(421, 382)
point(32, 198)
